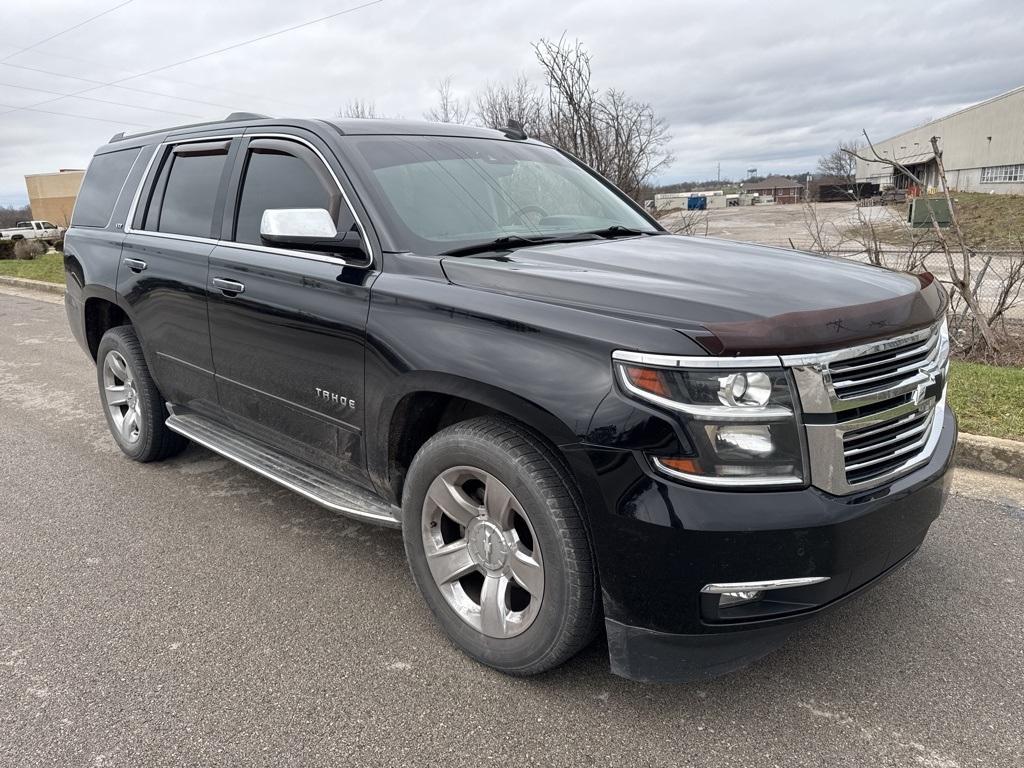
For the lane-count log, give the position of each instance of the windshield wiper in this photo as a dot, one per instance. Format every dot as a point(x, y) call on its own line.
point(508, 242)
point(617, 230)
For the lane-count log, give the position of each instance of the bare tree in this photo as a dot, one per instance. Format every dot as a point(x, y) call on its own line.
point(519, 100)
point(842, 161)
point(687, 222)
point(9, 215)
point(618, 136)
point(449, 108)
point(363, 108)
point(958, 254)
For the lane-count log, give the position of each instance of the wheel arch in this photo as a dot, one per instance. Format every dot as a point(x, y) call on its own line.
point(423, 403)
point(100, 312)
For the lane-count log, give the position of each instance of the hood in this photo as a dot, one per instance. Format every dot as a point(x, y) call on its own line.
point(732, 298)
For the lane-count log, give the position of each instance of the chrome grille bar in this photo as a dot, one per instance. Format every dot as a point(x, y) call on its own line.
point(923, 423)
point(886, 412)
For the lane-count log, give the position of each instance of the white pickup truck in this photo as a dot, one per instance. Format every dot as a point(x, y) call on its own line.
point(32, 230)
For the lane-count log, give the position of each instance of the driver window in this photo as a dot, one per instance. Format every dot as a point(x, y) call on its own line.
point(277, 176)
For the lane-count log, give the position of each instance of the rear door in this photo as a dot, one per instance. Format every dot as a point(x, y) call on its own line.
point(165, 263)
point(287, 326)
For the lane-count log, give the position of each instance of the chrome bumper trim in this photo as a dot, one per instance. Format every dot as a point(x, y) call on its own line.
point(761, 586)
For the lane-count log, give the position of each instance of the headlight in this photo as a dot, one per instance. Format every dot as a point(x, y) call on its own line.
point(742, 421)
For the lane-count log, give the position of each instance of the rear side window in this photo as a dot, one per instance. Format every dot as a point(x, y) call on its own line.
point(184, 197)
point(102, 185)
point(283, 174)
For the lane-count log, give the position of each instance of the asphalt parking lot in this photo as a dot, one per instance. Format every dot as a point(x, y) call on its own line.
point(192, 613)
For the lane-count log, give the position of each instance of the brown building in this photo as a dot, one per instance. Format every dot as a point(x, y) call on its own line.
point(52, 195)
point(782, 189)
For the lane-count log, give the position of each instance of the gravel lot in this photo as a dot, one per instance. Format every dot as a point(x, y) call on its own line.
point(191, 613)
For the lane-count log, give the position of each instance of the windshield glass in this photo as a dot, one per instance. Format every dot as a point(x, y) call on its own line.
point(442, 193)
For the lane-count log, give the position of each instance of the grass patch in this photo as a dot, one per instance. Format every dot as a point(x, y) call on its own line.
point(990, 220)
point(49, 267)
point(988, 399)
point(993, 222)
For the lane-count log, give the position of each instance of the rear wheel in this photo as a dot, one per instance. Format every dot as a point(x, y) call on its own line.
point(132, 403)
point(495, 538)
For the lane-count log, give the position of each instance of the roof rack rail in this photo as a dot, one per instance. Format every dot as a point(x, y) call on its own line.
point(234, 117)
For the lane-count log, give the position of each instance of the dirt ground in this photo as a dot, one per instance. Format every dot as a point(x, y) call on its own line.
point(783, 225)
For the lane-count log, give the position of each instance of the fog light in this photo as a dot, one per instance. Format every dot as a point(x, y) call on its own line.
point(729, 599)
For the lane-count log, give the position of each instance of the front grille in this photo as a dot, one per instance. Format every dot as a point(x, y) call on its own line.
point(875, 451)
point(877, 372)
point(882, 412)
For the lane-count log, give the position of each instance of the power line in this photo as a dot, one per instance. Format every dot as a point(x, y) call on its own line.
point(80, 117)
point(103, 83)
point(101, 101)
point(204, 55)
point(149, 92)
point(65, 31)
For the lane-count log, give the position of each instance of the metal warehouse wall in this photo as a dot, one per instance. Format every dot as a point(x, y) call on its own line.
point(964, 140)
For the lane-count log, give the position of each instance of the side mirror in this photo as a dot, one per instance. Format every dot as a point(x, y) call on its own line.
point(308, 229)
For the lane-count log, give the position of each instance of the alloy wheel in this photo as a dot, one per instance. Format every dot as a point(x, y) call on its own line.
point(122, 397)
point(482, 551)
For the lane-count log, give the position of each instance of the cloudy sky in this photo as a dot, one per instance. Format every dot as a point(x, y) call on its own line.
point(770, 85)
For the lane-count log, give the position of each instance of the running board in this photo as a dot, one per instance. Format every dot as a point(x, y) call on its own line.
point(296, 475)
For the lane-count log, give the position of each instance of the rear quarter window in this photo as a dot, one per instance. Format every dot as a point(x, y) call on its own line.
point(102, 185)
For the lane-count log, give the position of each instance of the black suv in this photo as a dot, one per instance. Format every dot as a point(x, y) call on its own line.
point(577, 419)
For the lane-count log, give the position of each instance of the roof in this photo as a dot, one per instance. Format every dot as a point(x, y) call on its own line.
point(1003, 95)
point(344, 126)
point(377, 126)
point(774, 182)
point(917, 159)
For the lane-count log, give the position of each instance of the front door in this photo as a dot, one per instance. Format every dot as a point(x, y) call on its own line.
point(288, 327)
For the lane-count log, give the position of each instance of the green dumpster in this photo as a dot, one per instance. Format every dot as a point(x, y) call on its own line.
point(922, 209)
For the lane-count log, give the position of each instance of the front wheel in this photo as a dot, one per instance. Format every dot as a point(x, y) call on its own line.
point(132, 403)
point(494, 533)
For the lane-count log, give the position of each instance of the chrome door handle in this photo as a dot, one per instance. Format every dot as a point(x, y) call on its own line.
point(228, 286)
point(135, 265)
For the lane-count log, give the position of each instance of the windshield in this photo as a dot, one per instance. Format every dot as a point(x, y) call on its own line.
point(442, 193)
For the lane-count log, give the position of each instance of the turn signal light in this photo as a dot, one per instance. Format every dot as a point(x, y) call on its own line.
point(647, 379)
point(681, 465)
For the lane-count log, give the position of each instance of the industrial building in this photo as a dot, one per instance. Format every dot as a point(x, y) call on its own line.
point(51, 196)
point(982, 150)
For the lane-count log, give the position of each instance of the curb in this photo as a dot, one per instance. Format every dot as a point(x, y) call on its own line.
point(990, 454)
point(32, 285)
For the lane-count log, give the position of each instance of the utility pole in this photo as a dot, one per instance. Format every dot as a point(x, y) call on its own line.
point(719, 171)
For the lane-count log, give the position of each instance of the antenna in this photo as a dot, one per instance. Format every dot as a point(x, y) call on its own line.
point(514, 130)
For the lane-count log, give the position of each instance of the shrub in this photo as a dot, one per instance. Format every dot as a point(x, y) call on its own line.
point(6, 249)
point(28, 249)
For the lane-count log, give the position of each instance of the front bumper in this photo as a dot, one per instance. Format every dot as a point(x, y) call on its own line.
point(662, 542)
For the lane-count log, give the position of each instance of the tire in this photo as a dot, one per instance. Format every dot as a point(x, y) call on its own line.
point(520, 510)
point(132, 404)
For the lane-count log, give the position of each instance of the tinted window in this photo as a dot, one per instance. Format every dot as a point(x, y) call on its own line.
point(190, 194)
point(103, 182)
point(275, 179)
